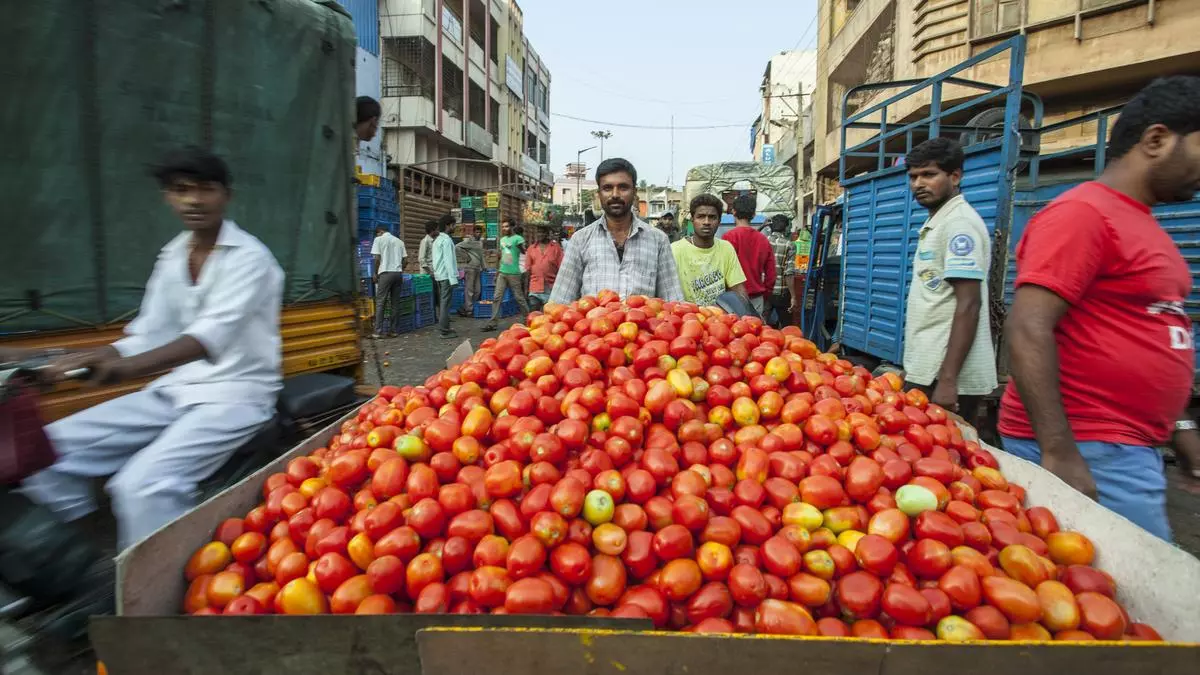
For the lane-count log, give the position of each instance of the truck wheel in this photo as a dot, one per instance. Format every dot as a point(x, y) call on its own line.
point(989, 124)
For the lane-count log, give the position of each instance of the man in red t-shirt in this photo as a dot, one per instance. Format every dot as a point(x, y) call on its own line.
point(754, 252)
point(1100, 344)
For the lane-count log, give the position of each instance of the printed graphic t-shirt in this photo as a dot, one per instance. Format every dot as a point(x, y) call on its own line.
point(705, 273)
point(1125, 346)
point(510, 254)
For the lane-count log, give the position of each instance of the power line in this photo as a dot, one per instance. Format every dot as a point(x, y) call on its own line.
point(662, 127)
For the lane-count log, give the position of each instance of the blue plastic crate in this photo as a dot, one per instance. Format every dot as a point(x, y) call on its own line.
point(482, 309)
point(487, 276)
point(390, 216)
point(425, 301)
point(457, 298)
point(406, 286)
point(424, 318)
point(375, 200)
point(406, 324)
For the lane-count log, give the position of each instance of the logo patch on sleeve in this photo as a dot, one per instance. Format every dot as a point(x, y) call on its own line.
point(962, 244)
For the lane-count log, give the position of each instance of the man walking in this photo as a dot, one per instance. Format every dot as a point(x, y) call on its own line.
point(948, 349)
point(618, 252)
point(707, 266)
point(512, 247)
point(445, 276)
point(754, 252)
point(388, 253)
point(545, 257)
point(1100, 340)
point(780, 311)
point(472, 255)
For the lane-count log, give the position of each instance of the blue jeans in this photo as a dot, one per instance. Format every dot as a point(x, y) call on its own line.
point(1129, 479)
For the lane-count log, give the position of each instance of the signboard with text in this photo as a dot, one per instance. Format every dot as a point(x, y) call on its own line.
point(513, 77)
point(768, 156)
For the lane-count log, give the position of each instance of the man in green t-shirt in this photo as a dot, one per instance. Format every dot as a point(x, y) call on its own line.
point(512, 247)
point(707, 266)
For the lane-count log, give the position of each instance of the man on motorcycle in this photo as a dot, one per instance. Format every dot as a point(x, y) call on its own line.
point(209, 316)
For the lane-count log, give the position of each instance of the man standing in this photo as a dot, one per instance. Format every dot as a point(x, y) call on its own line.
point(388, 253)
point(209, 316)
point(472, 250)
point(523, 262)
point(948, 349)
point(785, 263)
point(1100, 340)
point(707, 267)
point(618, 252)
point(512, 247)
point(425, 249)
point(545, 257)
point(666, 223)
point(754, 252)
point(445, 276)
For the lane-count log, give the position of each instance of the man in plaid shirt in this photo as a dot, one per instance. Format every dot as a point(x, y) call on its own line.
point(785, 261)
point(618, 252)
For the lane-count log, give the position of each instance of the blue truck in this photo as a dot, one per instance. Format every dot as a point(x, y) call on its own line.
point(863, 245)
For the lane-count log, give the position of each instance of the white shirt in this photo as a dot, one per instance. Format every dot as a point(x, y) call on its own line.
point(232, 309)
point(391, 252)
point(953, 244)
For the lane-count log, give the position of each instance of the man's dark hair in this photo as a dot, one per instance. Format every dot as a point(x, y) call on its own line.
point(706, 200)
point(432, 226)
point(944, 152)
point(366, 108)
point(1173, 102)
point(380, 228)
point(519, 230)
point(615, 165)
point(446, 221)
point(744, 207)
point(780, 222)
point(192, 163)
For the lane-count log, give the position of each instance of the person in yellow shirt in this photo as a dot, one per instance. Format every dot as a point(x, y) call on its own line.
point(707, 266)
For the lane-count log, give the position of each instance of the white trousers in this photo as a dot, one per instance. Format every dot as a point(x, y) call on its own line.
point(157, 454)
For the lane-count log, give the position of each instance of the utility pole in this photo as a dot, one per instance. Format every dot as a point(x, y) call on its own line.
point(602, 136)
point(579, 179)
point(671, 171)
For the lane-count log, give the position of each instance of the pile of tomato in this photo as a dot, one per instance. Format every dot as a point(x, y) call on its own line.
point(662, 461)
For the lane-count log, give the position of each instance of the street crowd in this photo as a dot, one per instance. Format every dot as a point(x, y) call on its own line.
point(1099, 341)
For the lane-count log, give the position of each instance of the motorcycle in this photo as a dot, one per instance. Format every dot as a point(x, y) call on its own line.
point(54, 575)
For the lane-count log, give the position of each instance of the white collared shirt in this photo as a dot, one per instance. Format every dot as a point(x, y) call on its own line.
point(232, 309)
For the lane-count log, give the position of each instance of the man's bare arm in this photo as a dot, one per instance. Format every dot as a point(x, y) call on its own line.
point(968, 298)
point(1033, 355)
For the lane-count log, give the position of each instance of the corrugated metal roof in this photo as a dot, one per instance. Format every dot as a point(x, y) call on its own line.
point(365, 14)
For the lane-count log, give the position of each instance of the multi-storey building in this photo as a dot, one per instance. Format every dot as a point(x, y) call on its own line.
point(465, 106)
point(1081, 55)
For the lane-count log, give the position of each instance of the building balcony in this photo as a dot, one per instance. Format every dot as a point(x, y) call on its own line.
point(529, 166)
point(407, 112)
point(479, 140)
point(453, 128)
point(406, 18)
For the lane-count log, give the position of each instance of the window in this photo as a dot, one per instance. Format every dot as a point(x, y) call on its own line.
point(408, 67)
point(995, 16)
point(495, 128)
point(542, 158)
point(478, 103)
point(494, 32)
point(452, 88)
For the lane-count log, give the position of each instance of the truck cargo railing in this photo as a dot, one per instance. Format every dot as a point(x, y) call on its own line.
point(1098, 148)
point(934, 122)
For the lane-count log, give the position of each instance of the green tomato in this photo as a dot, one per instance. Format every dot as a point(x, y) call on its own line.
point(913, 499)
point(598, 507)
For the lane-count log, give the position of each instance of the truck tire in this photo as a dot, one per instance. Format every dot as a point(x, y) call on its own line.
point(989, 124)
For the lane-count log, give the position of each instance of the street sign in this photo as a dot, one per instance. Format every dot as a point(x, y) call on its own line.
point(768, 156)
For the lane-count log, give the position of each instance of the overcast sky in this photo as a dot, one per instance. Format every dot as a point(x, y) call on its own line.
point(642, 61)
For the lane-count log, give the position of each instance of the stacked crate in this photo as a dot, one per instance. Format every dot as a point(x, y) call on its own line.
point(377, 207)
point(423, 292)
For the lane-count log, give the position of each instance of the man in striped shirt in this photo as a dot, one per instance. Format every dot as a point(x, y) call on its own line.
point(618, 252)
point(779, 312)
